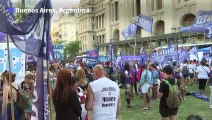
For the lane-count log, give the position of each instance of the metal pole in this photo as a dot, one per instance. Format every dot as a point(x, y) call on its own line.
point(10, 80)
point(135, 46)
point(111, 51)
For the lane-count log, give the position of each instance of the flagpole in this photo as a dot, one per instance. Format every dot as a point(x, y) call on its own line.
point(10, 80)
point(50, 90)
point(149, 47)
point(135, 46)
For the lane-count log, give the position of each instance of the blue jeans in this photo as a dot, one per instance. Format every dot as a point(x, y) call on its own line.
point(17, 112)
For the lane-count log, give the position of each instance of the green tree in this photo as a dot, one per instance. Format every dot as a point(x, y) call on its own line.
point(71, 49)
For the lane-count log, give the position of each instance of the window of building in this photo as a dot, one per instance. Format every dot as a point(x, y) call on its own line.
point(187, 20)
point(159, 4)
point(186, 0)
point(97, 26)
point(103, 38)
point(138, 7)
point(103, 17)
point(100, 22)
point(93, 27)
point(116, 11)
point(93, 37)
point(152, 5)
point(178, 1)
point(133, 8)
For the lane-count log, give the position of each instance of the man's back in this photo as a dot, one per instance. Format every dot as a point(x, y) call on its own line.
point(106, 94)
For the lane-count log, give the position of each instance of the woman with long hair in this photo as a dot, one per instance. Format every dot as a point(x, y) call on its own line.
point(8, 98)
point(82, 90)
point(202, 75)
point(127, 84)
point(65, 98)
point(81, 76)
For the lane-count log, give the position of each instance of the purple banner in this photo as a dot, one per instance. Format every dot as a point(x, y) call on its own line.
point(140, 58)
point(130, 31)
point(92, 53)
point(168, 55)
point(2, 37)
point(202, 23)
point(145, 22)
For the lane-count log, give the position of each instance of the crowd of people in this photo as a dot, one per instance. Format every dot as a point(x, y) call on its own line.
point(78, 88)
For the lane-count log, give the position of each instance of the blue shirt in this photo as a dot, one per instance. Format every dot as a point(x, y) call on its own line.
point(155, 76)
point(146, 77)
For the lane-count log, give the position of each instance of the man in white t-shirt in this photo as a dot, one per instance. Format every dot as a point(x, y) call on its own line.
point(103, 96)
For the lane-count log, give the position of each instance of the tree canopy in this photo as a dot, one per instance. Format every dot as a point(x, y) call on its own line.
point(72, 49)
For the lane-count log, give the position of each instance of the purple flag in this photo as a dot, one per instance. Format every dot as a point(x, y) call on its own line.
point(2, 37)
point(144, 22)
point(202, 24)
point(8, 23)
point(130, 31)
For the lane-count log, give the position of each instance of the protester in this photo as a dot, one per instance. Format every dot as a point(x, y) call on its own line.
point(109, 70)
point(202, 73)
point(166, 112)
point(103, 96)
point(65, 98)
point(155, 78)
point(146, 82)
point(127, 84)
point(29, 88)
point(192, 70)
point(6, 104)
point(82, 90)
point(210, 87)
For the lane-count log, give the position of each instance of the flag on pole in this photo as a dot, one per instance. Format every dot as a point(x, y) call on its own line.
point(31, 36)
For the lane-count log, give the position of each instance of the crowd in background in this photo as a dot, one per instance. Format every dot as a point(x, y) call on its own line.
point(137, 79)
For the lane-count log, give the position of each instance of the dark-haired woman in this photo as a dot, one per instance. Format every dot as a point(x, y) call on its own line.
point(65, 98)
point(127, 84)
point(202, 75)
point(155, 79)
point(7, 98)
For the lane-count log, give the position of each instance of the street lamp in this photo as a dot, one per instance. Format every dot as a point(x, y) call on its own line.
point(174, 30)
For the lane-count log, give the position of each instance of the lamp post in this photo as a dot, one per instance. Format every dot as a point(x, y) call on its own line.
point(174, 30)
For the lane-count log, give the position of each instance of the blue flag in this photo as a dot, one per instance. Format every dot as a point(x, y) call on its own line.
point(130, 31)
point(31, 36)
point(144, 22)
point(9, 24)
point(202, 24)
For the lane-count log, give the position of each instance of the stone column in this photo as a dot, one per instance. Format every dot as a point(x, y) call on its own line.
point(169, 16)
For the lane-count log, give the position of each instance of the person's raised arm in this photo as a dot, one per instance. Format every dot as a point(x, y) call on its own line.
point(89, 99)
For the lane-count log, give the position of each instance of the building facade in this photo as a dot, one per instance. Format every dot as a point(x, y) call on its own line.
point(108, 18)
point(67, 27)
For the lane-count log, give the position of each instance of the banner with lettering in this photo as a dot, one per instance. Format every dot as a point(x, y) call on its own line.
point(92, 53)
point(139, 58)
point(202, 24)
point(58, 51)
point(168, 55)
point(17, 60)
point(145, 22)
point(130, 31)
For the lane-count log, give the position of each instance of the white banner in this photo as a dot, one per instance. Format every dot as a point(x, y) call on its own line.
point(17, 61)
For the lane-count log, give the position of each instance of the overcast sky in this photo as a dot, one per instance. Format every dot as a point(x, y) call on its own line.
point(57, 4)
point(64, 3)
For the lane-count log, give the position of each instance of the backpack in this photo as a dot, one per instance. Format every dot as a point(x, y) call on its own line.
point(185, 70)
point(138, 74)
point(174, 98)
point(23, 99)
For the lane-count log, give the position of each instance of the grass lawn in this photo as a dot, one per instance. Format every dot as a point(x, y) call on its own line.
point(190, 106)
